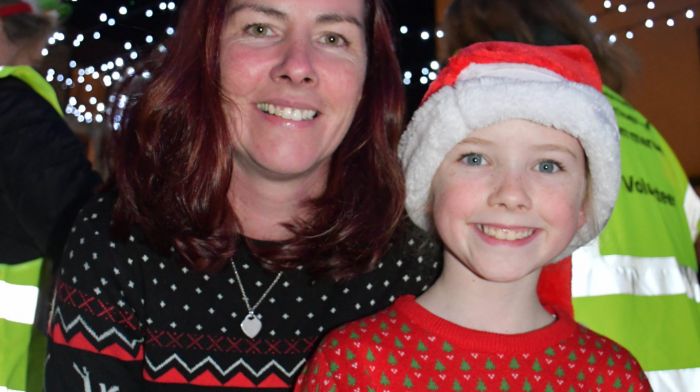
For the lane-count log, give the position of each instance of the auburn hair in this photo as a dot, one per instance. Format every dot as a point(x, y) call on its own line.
point(172, 161)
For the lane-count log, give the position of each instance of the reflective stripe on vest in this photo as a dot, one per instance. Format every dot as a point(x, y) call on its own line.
point(594, 274)
point(674, 380)
point(691, 205)
point(18, 291)
point(5, 389)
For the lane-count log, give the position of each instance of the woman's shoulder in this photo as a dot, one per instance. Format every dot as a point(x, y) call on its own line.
point(414, 250)
point(92, 250)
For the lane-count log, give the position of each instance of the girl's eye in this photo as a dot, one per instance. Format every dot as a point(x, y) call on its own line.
point(258, 30)
point(334, 40)
point(473, 159)
point(549, 166)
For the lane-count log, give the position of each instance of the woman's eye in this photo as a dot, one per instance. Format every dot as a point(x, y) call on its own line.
point(473, 159)
point(548, 167)
point(334, 40)
point(258, 30)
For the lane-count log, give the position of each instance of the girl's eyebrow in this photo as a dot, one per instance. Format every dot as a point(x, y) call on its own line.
point(475, 140)
point(555, 148)
point(277, 14)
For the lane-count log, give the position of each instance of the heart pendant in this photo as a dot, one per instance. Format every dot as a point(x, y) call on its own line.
point(251, 325)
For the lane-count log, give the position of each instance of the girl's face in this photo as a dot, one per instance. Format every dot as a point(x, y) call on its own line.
point(509, 198)
point(292, 72)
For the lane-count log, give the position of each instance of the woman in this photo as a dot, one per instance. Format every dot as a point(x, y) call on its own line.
point(256, 192)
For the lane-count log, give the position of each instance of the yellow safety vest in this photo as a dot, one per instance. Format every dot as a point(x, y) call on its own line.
point(637, 284)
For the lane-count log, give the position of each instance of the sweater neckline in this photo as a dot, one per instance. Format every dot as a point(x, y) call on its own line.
point(548, 336)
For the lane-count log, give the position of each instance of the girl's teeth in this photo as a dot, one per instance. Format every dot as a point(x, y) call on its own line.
point(286, 112)
point(505, 234)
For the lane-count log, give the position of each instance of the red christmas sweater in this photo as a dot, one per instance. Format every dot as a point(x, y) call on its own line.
point(405, 347)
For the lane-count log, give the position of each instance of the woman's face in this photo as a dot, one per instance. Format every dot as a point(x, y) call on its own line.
point(292, 73)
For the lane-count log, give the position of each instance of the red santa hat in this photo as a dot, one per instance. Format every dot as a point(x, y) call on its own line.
point(489, 82)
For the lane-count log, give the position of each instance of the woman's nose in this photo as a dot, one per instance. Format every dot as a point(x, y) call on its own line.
point(296, 64)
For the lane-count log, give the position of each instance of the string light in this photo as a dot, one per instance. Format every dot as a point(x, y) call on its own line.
point(105, 74)
point(670, 19)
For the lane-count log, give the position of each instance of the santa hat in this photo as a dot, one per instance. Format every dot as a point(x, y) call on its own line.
point(489, 82)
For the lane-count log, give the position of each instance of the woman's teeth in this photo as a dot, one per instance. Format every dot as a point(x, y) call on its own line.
point(500, 233)
point(286, 112)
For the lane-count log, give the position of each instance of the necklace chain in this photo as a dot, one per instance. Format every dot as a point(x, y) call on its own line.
point(251, 309)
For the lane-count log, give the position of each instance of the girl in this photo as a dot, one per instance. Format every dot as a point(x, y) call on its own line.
point(512, 159)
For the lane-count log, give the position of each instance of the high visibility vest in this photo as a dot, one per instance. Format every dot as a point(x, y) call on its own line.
point(637, 283)
point(19, 282)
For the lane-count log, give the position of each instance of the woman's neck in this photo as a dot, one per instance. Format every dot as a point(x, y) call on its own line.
point(465, 299)
point(263, 205)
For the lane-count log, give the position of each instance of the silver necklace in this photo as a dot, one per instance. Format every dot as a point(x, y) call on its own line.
point(251, 324)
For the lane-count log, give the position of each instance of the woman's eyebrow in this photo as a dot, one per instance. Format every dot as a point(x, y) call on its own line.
point(339, 18)
point(275, 13)
point(269, 11)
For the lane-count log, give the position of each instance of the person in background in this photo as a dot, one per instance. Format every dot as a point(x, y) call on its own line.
point(637, 283)
point(512, 160)
point(254, 205)
point(44, 179)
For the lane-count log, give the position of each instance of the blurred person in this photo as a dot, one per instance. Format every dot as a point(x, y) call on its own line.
point(254, 205)
point(636, 283)
point(44, 180)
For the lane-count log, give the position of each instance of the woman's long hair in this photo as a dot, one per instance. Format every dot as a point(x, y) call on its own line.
point(172, 162)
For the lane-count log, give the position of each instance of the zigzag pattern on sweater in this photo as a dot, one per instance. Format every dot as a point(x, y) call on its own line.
point(174, 360)
point(110, 342)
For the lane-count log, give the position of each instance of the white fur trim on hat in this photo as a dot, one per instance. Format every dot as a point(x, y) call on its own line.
point(485, 94)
